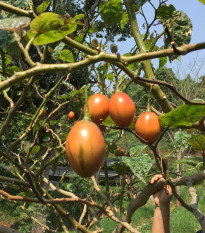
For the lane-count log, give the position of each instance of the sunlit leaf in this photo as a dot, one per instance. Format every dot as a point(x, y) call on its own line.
point(43, 6)
point(80, 16)
point(66, 55)
point(50, 27)
point(124, 20)
point(184, 115)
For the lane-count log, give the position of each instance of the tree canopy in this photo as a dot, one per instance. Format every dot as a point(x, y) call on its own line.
point(54, 54)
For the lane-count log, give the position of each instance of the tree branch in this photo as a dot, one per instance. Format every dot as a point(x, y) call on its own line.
point(172, 88)
point(149, 190)
point(16, 10)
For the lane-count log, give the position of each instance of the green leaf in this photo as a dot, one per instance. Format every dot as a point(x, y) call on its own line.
point(181, 140)
point(35, 128)
point(137, 150)
point(198, 142)
point(82, 90)
point(109, 138)
point(140, 165)
point(202, 1)
point(108, 121)
point(124, 20)
point(165, 12)
point(184, 115)
point(6, 38)
point(66, 55)
point(53, 122)
point(13, 24)
point(111, 12)
point(180, 28)
point(50, 27)
point(43, 7)
point(36, 149)
point(185, 161)
point(57, 50)
point(162, 61)
point(80, 16)
point(110, 76)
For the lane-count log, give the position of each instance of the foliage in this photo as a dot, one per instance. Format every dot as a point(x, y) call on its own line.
point(51, 52)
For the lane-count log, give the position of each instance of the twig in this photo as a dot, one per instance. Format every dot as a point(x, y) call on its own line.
point(171, 87)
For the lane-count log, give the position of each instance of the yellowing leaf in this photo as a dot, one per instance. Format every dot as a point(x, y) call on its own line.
point(50, 27)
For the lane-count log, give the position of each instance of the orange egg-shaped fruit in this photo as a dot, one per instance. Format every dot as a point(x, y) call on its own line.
point(98, 108)
point(122, 109)
point(71, 115)
point(148, 127)
point(85, 148)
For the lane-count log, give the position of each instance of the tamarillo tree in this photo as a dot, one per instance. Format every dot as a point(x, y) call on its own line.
point(50, 52)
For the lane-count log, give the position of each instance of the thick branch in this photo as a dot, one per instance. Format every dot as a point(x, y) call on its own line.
point(13, 181)
point(16, 10)
point(102, 56)
point(149, 190)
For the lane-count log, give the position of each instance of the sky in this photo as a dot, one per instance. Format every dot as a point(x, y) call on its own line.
point(194, 62)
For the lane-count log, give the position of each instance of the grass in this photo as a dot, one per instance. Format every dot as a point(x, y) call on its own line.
point(181, 220)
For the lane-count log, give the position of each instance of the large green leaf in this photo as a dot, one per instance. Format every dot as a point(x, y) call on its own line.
point(165, 12)
point(139, 165)
point(50, 27)
point(180, 28)
point(198, 142)
point(111, 12)
point(13, 24)
point(184, 115)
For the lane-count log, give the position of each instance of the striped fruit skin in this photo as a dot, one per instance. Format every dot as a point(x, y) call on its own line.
point(148, 127)
point(122, 109)
point(85, 148)
point(98, 108)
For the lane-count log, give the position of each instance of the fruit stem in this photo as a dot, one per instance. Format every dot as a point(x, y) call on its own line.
point(87, 112)
point(149, 97)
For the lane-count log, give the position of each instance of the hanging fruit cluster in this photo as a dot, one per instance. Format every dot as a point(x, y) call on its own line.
point(85, 146)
